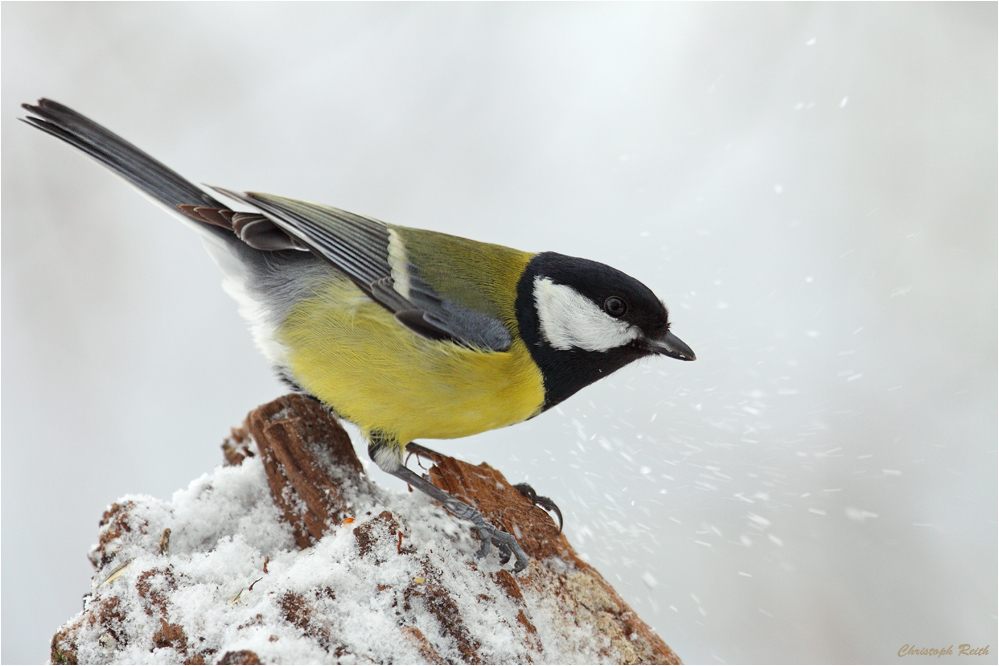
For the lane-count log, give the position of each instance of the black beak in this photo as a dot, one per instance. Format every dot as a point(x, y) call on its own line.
point(672, 346)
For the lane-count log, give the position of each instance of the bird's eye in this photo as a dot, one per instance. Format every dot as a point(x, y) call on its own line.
point(615, 306)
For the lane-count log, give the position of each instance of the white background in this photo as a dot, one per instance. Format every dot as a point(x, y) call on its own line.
point(810, 187)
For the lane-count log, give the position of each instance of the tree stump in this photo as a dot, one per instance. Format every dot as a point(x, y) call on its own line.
point(289, 554)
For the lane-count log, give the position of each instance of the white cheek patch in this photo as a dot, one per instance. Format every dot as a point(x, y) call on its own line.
point(569, 319)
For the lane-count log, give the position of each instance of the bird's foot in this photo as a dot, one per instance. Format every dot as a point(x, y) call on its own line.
point(505, 543)
point(420, 452)
point(491, 535)
point(545, 503)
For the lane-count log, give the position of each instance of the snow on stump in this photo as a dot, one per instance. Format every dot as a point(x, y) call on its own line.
point(289, 554)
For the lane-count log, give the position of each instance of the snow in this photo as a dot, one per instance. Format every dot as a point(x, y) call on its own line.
point(232, 579)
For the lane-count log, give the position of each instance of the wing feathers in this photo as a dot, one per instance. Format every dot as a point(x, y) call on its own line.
point(359, 246)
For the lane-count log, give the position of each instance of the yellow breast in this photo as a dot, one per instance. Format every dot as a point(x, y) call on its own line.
point(352, 354)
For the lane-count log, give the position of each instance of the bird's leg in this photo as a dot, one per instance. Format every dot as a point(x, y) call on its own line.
point(524, 489)
point(489, 534)
point(388, 456)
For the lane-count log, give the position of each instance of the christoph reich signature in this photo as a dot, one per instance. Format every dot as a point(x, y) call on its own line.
point(962, 649)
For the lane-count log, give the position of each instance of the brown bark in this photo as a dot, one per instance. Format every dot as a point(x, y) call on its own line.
point(313, 472)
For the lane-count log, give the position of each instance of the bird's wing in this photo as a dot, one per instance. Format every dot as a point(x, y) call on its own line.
point(374, 255)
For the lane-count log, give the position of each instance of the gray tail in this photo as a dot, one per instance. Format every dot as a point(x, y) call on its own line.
point(214, 220)
point(262, 272)
point(154, 178)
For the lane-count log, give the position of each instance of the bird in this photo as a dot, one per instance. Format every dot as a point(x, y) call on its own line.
point(406, 333)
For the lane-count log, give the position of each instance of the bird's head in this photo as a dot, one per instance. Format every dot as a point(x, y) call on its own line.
point(582, 320)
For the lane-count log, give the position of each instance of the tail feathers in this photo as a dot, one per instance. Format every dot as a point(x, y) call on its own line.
point(149, 175)
point(164, 185)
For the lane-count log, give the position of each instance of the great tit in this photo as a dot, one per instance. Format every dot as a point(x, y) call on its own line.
point(408, 334)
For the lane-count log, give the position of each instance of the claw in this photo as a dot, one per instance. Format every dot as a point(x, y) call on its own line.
point(545, 503)
point(420, 452)
point(506, 544)
point(504, 553)
point(484, 548)
point(520, 564)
